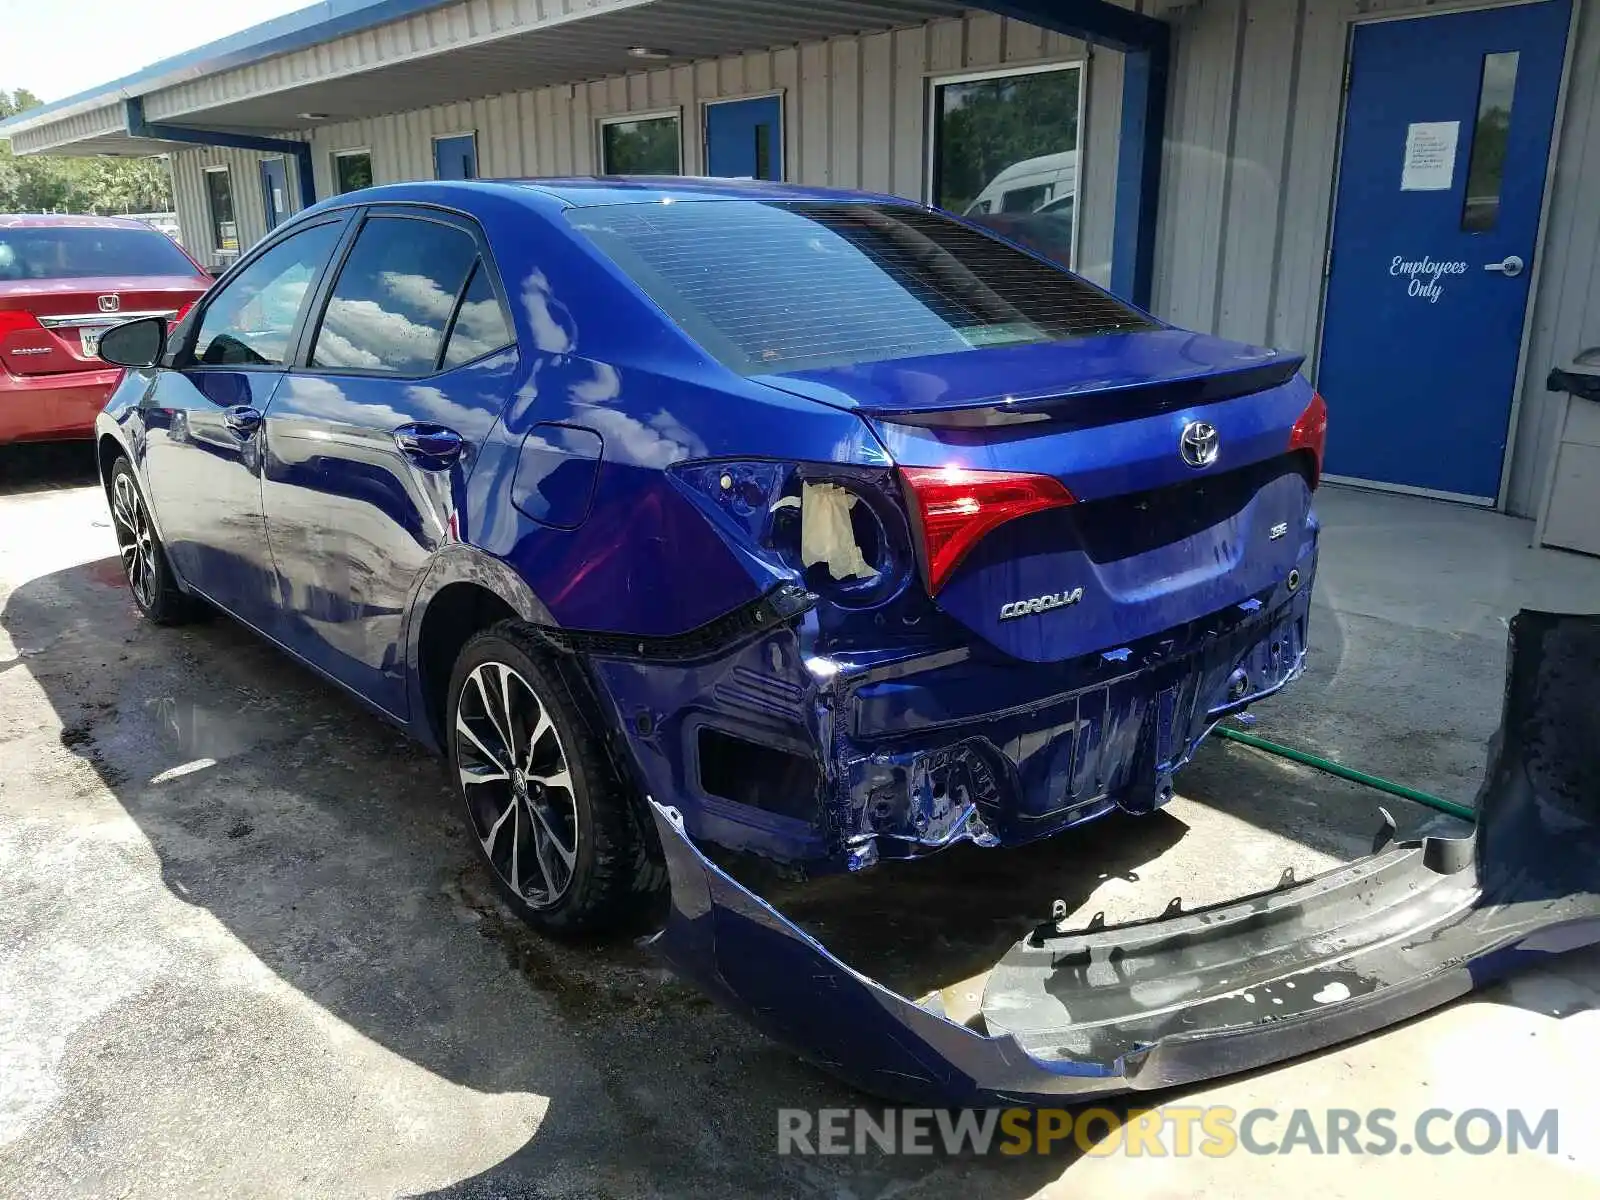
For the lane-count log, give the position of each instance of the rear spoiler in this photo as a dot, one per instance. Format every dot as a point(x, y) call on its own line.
point(1070, 1015)
point(1091, 404)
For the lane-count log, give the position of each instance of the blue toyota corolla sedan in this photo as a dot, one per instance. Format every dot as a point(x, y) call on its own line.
point(839, 525)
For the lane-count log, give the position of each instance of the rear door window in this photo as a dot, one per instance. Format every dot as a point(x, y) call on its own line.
point(391, 305)
point(250, 321)
point(480, 326)
point(775, 287)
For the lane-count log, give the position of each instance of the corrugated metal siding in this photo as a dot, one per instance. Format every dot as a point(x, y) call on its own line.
point(249, 204)
point(94, 123)
point(1566, 310)
point(415, 37)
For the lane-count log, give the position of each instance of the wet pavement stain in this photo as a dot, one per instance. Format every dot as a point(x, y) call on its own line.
point(587, 983)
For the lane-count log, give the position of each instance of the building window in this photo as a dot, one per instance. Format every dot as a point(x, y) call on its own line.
point(352, 169)
point(1005, 154)
point(455, 156)
point(219, 205)
point(649, 144)
point(1486, 168)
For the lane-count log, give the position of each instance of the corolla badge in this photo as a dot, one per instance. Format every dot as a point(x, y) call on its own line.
point(1040, 604)
point(1199, 443)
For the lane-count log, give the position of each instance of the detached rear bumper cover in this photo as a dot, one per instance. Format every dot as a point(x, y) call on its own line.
point(1192, 996)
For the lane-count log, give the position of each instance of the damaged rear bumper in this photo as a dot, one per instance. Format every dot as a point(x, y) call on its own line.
point(1067, 1016)
point(846, 758)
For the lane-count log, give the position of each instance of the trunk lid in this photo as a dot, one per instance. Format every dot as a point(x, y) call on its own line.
point(1152, 542)
point(69, 317)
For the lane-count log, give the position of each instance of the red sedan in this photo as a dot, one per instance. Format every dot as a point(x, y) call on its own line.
point(63, 282)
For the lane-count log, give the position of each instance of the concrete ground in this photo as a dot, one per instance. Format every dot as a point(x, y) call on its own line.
point(245, 950)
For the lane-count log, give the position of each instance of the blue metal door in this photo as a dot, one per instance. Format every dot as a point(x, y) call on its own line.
point(455, 157)
point(275, 190)
point(744, 138)
point(1447, 137)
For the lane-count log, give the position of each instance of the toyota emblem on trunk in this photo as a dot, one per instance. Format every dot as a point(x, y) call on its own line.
point(1199, 443)
point(110, 303)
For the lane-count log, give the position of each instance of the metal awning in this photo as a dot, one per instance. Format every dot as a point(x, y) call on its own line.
point(464, 51)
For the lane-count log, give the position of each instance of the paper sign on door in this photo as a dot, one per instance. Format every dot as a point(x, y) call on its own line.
point(1430, 164)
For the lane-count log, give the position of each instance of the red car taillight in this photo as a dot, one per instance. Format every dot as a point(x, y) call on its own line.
point(1310, 432)
point(954, 508)
point(17, 321)
point(181, 314)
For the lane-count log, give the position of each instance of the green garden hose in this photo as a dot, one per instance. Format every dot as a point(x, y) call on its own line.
point(1350, 773)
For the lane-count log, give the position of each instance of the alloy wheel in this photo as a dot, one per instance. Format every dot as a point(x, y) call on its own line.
point(517, 782)
point(135, 539)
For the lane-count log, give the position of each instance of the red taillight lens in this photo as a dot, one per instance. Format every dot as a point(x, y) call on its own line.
point(17, 321)
point(182, 313)
point(1310, 432)
point(954, 509)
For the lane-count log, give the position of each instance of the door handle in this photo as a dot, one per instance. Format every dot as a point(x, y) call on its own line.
point(242, 419)
point(433, 445)
point(1510, 266)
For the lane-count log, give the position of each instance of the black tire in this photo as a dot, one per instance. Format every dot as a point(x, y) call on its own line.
point(144, 558)
point(615, 877)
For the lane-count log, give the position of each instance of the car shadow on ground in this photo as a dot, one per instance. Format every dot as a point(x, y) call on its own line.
point(328, 845)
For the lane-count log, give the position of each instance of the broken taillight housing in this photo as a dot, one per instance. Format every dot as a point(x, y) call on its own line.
point(1310, 432)
point(954, 508)
point(840, 528)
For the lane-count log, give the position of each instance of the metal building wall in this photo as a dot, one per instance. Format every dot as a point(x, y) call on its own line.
point(1566, 309)
point(249, 204)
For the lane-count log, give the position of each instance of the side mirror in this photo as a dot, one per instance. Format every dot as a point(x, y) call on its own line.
point(138, 343)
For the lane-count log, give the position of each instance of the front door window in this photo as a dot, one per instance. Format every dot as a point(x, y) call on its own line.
point(249, 322)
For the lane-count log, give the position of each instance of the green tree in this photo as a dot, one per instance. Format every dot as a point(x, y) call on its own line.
point(102, 184)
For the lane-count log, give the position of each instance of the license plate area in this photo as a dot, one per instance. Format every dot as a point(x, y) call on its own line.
point(89, 338)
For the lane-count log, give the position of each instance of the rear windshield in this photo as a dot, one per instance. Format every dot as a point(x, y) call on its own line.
point(775, 287)
point(84, 252)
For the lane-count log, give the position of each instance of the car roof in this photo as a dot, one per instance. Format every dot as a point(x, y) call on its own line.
point(589, 191)
point(69, 221)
